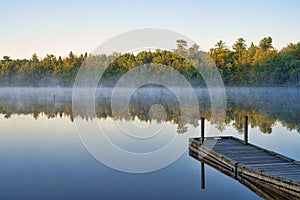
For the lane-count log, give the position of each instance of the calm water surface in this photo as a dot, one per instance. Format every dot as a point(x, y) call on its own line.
point(42, 156)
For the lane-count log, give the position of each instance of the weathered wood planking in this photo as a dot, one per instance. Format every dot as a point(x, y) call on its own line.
point(269, 174)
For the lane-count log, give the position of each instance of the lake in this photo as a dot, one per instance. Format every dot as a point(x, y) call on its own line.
point(44, 157)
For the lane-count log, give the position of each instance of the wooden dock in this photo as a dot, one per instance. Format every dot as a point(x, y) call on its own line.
point(269, 174)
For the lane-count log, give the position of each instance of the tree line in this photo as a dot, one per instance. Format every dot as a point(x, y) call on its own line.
point(257, 65)
point(260, 65)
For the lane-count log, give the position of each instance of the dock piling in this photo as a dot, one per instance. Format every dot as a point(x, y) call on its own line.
point(246, 130)
point(202, 129)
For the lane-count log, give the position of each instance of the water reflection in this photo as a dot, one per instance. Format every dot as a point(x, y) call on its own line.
point(264, 106)
point(45, 157)
point(263, 191)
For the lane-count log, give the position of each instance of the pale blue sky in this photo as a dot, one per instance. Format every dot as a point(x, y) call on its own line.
point(59, 26)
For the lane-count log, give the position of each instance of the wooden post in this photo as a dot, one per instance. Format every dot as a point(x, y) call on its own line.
point(236, 170)
point(202, 130)
point(246, 130)
point(202, 176)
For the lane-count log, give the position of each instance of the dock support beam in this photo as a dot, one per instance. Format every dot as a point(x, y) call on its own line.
point(246, 130)
point(202, 130)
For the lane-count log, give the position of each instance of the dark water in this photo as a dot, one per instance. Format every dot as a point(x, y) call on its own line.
point(42, 156)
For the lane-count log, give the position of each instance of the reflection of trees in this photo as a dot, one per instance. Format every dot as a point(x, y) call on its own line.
point(263, 107)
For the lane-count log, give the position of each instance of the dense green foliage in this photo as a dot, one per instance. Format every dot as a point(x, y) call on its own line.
point(260, 65)
point(49, 71)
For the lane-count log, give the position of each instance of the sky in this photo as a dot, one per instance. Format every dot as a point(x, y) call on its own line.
point(60, 26)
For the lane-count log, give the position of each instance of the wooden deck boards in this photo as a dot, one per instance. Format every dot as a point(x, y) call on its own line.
point(246, 161)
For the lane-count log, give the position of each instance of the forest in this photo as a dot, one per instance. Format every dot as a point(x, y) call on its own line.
point(257, 65)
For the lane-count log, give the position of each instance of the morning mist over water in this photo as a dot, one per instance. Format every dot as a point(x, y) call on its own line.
point(264, 106)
